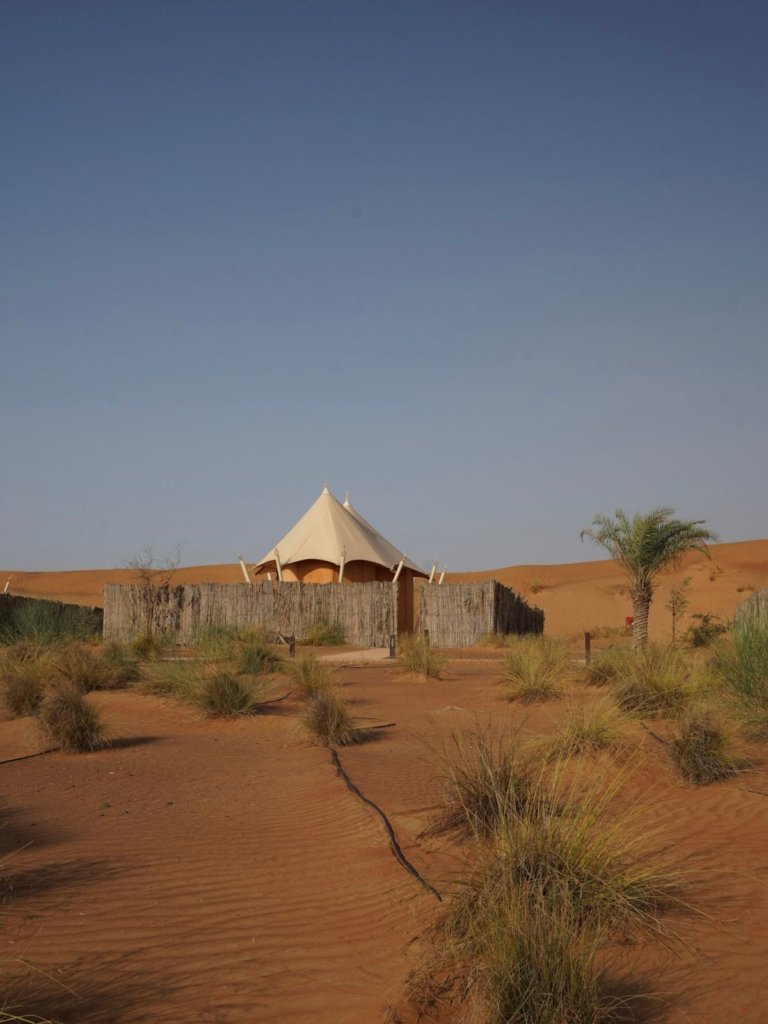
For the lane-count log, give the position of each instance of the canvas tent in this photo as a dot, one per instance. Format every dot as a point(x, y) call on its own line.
point(333, 543)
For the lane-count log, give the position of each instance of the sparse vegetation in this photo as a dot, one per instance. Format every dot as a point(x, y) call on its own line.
point(590, 728)
point(67, 720)
point(741, 663)
point(418, 657)
point(535, 668)
point(325, 634)
point(217, 643)
point(150, 648)
point(22, 692)
point(46, 622)
point(328, 720)
point(703, 748)
point(486, 780)
point(705, 630)
point(312, 676)
point(655, 682)
point(178, 679)
point(255, 655)
point(122, 662)
point(606, 667)
point(226, 695)
point(86, 668)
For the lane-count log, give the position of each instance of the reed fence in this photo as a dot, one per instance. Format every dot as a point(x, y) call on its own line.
point(459, 614)
point(365, 612)
point(755, 607)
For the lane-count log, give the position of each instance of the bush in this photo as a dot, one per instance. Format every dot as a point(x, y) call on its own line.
point(46, 622)
point(67, 720)
point(593, 728)
point(327, 718)
point(705, 631)
point(150, 648)
point(86, 669)
point(535, 668)
point(703, 749)
point(224, 695)
point(655, 682)
point(256, 655)
point(23, 692)
point(217, 642)
point(486, 781)
point(178, 679)
point(742, 666)
point(606, 668)
point(326, 634)
point(417, 656)
point(311, 676)
point(121, 661)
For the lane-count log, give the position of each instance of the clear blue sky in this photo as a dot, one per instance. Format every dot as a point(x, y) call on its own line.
point(492, 267)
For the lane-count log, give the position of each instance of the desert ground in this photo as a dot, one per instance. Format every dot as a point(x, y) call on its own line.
point(221, 871)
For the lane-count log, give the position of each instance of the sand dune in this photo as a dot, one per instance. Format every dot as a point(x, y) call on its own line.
point(575, 597)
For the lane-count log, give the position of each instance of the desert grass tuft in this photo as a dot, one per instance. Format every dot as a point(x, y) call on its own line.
point(256, 656)
point(216, 642)
point(328, 720)
point(704, 749)
point(655, 682)
point(742, 665)
point(325, 634)
point(22, 693)
point(606, 667)
point(67, 720)
point(535, 669)
point(312, 677)
point(122, 662)
point(86, 668)
point(226, 695)
point(418, 657)
point(486, 780)
point(180, 679)
point(595, 727)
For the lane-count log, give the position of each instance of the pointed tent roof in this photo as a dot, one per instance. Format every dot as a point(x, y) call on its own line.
point(329, 528)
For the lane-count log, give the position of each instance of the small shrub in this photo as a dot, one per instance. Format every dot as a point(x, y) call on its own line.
point(327, 718)
point(655, 682)
point(486, 781)
point(224, 695)
point(66, 719)
point(256, 655)
point(150, 648)
point(217, 642)
point(85, 668)
point(606, 667)
point(121, 661)
point(703, 750)
point(178, 679)
point(742, 666)
point(593, 728)
point(22, 692)
point(47, 622)
point(311, 676)
point(706, 630)
point(326, 634)
point(535, 668)
point(418, 657)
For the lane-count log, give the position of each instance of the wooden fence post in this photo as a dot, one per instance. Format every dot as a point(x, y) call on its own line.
point(587, 648)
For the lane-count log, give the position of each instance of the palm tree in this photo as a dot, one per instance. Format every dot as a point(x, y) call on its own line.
point(644, 546)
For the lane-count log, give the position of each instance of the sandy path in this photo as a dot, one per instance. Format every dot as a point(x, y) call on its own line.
point(208, 872)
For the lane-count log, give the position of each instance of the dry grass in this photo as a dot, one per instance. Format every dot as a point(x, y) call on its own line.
point(595, 727)
point(22, 692)
point(312, 677)
point(256, 656)
point(486, 780)
point(87, 668)
point(224, 695)
point(535, 669)
point(605, 668)
point(655, 682)
point(704, 748)
point(328, 720)
point(180, 679)
point(69, 722)
point(418, 657)
point(325, 634)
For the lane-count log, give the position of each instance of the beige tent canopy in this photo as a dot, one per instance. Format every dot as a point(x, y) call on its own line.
point(331, 534)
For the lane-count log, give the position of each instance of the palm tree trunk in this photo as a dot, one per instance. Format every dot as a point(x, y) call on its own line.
point(641, 604)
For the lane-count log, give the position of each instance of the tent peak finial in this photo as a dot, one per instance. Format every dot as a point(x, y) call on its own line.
point(326, 489)
point(347, 502)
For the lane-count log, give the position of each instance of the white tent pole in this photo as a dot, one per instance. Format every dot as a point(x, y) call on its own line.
point(269, 576)
point(442, 575)
point(432, 574)
point(7, 584)
point(245, 571)
point(399, 569)
point(279, 565)
point(341, 564)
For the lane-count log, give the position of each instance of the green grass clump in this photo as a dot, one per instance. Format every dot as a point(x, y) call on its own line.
point(68, 721)
point(592, 728)
point(704, 750)
point(217, 642)
point(535, 669)
point(47, 622)
point(180, 679)
point(418, 657)
point(486, 781)
point(605, 668)
point(328, 720)
point(226, 695)
point(655, 682)
point(86, 668)
point(325, 634)
point(742, 667)
point(256, 655)
point(122, 662)
point(22, 692)
point(312, 677)
point(151, 647)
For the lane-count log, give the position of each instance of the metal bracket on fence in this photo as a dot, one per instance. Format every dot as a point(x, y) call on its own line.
point(393, 645)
